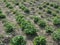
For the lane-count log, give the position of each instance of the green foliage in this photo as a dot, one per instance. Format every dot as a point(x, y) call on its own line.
point(56, 20)
point(56, 35)
point(9, 5)
point(31, 30)
point(57, 11)
point(51, 4)
point(56, 6)
point(1, 36)
point(24, 8)
point(4, 0)
point(59, 8)
point(40, 7)
point(49, 29)
point(18, 40)
point(26, 11)
point(40, 40)
point(0, 11)
point(8, 27)
point(54, 14)
point(44, 6)
point(2, 15)
point(41, 23)
point(26, 25)
point(36, 19)
point(49, 11)
point(17, 3)
point(47, 3)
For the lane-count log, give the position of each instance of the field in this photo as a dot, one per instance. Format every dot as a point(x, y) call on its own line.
point(29, 22)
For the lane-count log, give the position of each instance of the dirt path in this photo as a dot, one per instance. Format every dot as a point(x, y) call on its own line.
point(1, 28)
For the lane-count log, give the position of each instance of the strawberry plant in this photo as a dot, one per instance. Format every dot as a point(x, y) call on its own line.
point(24, 8)
point(8, 27)
point(49, 11)
point(56, 20)
point(42, 23)
point(9, 5)
point(40, 40)
point(18, 40)
point(36, 19)
point(26, 25)
point(39, 21)
point(56, 35)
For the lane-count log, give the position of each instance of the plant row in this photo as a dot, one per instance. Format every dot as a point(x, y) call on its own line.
point(8, 26)
point(39, 21)
point(26, 25)
point(8, 4)
point(42, 23)
point(24, 8)
point(20, 40)
point(21, 6)
point(39, 40)
point(52, 4)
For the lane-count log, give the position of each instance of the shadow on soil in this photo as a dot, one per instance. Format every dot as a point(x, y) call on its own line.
point(30, 37)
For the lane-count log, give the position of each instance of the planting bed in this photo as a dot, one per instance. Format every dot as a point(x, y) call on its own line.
point(29, 22)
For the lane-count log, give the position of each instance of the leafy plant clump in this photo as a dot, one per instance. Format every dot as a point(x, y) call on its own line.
point(18, 40)
point(9, 5)
point(40, 40)
point(49, 29)
point(56, 35)
point(49, 11)
point(2, 15)
point(17, 3)
point(47, 3)
point(51, 4)
point(8, 27)
point(45, 6)
point(36, 19)
point(41, 23)
point(56, 6)
point(54, 14)
point(26, 25)
point(56, 20)
point(40, 7)
point(24, 8)
point(4, 0)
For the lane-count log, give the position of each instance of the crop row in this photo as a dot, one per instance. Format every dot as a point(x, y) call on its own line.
point(30, 29)
point(39, 21)
point(49, 9)
point(8, 26)
point(26, 25)
point(8, 5)
point(39, 40)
